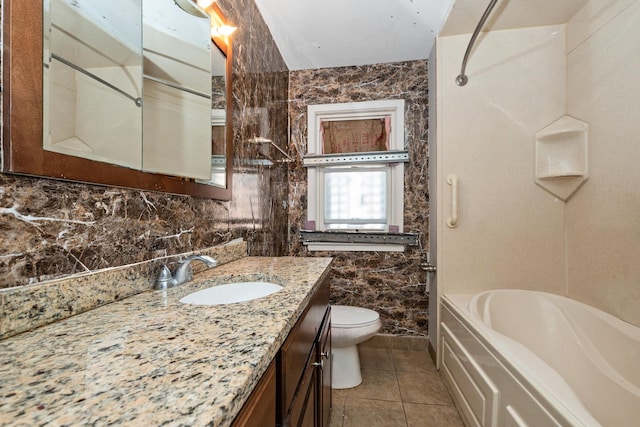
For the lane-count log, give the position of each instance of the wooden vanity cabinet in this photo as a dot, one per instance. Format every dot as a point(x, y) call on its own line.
point(296, 389)
point(302, 411)
point(324, 384)
point(304, 366)
point(260, 408)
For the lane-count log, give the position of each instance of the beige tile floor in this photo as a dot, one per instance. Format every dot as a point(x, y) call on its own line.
point(399, 388)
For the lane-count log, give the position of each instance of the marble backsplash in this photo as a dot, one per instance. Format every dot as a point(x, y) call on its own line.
point(50, 229)
point(391, 283)
point(23, 308)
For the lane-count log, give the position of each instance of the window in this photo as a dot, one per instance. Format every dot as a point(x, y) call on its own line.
point(355, 198)
point(355, 169)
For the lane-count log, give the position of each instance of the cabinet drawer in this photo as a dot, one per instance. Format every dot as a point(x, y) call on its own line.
point(298, 347)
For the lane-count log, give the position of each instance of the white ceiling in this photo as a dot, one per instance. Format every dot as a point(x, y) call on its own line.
point(507, 14)
point(336, 33)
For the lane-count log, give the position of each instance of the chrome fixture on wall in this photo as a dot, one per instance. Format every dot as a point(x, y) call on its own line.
point(462, 78)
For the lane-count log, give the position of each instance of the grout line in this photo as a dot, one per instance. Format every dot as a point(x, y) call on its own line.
point(346, 396)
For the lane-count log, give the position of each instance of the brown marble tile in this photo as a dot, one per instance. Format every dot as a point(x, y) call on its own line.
point(260, 93)
point(391, 283)
point(51, 229)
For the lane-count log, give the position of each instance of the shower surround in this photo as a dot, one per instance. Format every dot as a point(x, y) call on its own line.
point(573, 63)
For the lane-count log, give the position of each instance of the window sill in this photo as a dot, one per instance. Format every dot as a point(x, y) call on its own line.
point(353, 247)
point(355, 241)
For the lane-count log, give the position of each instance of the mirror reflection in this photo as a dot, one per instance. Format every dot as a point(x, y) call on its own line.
point(177, 89)
point(218, 117)
point(130, 83)
point(93, 80)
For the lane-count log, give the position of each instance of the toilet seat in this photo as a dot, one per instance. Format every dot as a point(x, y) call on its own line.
point(344, 316)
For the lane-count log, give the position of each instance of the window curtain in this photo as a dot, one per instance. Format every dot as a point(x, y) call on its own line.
point(355, 136)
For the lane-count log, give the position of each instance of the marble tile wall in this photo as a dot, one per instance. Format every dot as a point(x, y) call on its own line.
point(258, 209)
point(51, 229)
point(389, 282)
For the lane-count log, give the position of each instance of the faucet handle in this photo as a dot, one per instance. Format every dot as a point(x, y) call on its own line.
point(184, 272)
point(164, 280)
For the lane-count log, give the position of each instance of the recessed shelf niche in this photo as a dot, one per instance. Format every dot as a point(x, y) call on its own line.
point(562, 156)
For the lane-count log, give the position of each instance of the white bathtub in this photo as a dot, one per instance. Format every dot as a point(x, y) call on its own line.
point(514, 357)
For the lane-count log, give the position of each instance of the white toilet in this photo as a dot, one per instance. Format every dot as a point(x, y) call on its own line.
point(349, 327)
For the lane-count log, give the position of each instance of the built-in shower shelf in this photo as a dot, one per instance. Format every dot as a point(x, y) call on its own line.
point(560, 135)
point(562, 156)
point(561, 175)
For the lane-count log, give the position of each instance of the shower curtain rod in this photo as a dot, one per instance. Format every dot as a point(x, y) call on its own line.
point(138, 101)
point(462, 78)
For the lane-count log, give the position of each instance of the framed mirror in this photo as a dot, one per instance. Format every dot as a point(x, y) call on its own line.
point(24, 129)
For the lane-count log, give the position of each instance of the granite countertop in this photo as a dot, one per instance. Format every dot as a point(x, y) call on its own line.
point(151, 360)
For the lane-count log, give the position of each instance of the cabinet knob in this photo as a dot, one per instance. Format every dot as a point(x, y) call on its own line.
point(320, 364)
point(325, 354)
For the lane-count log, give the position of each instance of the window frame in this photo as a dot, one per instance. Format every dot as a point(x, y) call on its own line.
point(315, 173)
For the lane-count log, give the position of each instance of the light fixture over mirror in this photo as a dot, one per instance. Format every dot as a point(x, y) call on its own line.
point(219, 28)
point(205, 3)
point(222, 31)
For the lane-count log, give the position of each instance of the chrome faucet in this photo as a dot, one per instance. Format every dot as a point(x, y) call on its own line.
point(183, 273)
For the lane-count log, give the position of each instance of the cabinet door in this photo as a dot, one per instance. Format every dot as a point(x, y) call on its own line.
point(298, 349)
point(260, 408)
point(324, 372)
point(303, 406)
point(309, 414)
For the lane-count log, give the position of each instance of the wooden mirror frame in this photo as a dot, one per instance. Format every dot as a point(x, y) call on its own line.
point(23, 114)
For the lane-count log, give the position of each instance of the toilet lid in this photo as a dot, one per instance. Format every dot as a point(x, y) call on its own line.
point(349, 317)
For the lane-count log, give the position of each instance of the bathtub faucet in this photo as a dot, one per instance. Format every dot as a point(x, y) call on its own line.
point(183, 273)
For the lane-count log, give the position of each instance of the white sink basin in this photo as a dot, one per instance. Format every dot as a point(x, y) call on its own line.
point(231, 292)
